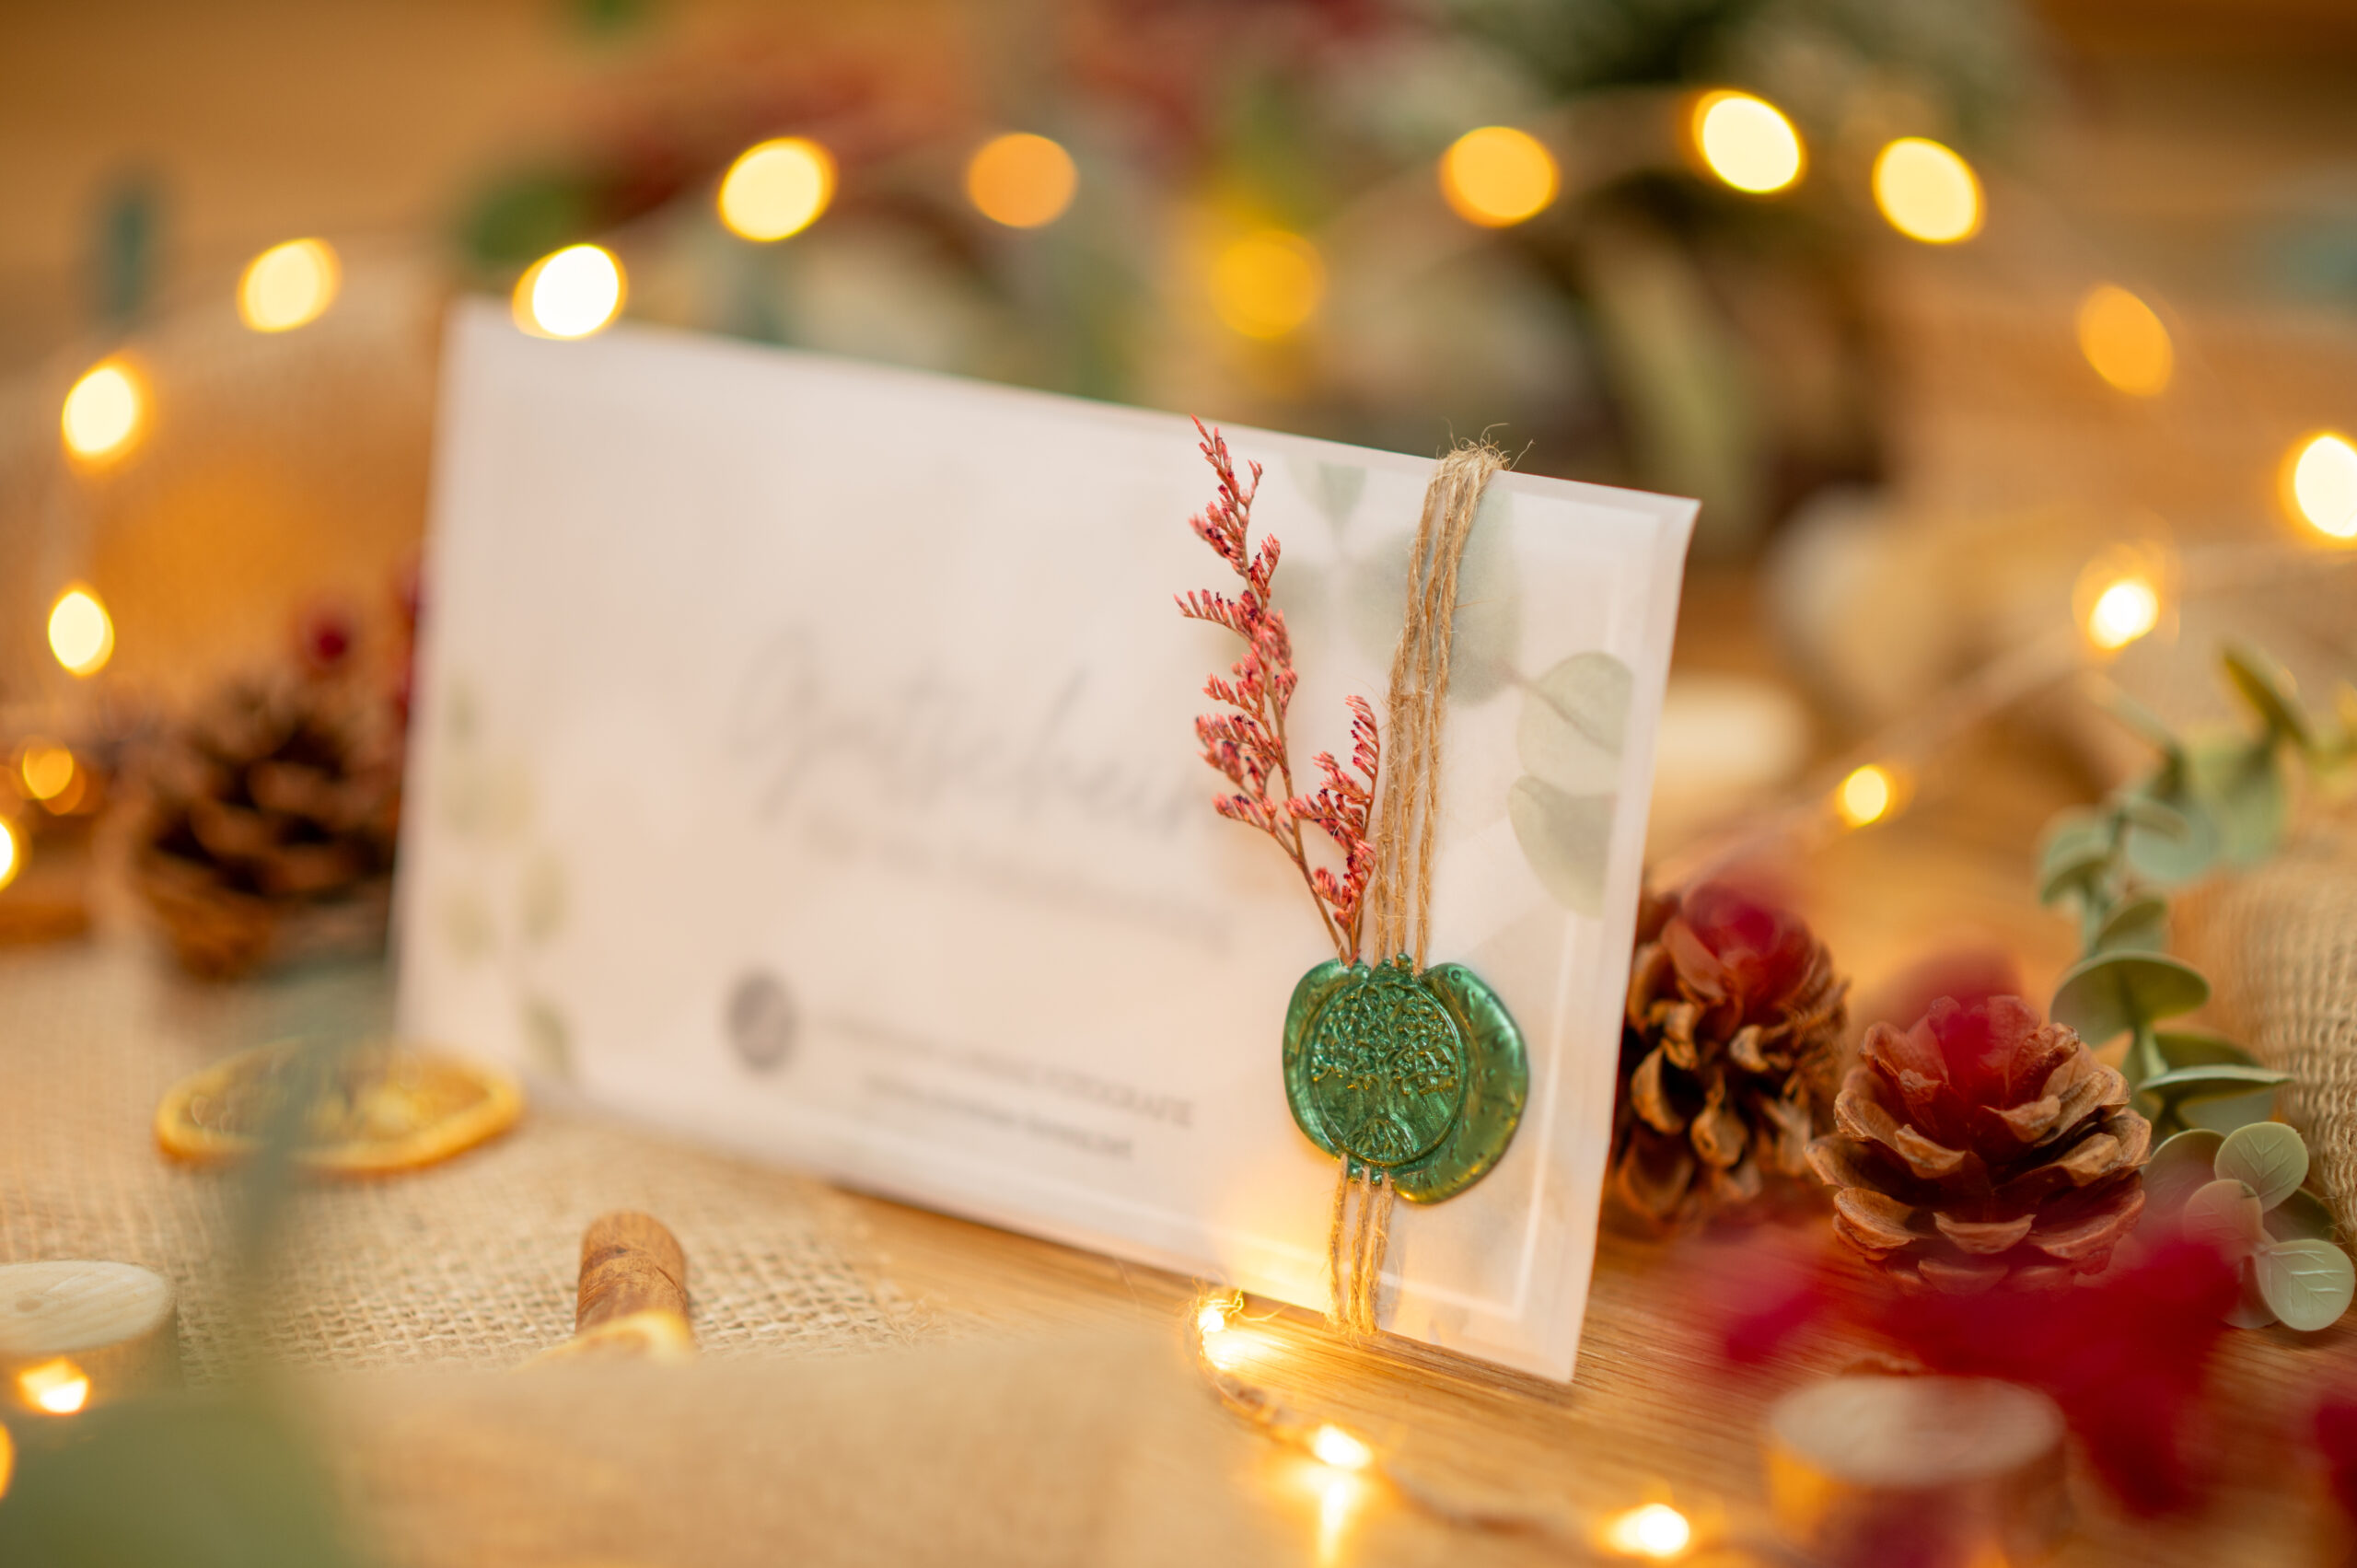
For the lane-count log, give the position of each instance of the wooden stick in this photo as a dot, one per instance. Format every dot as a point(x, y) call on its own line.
point(630, 1262)
point(632, 1296)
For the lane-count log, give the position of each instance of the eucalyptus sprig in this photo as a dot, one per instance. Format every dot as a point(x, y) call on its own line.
point(2241, 1192)
point(2218, 799)
point(2226, 1172)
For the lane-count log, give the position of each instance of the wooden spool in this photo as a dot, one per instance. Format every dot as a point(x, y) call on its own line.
point(1936, 1472)
point(74, 1333)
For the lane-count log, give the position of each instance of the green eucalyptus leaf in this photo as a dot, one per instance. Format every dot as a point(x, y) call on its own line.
point(2244, 786)
point(2143, 811)
point(2268, 1156)
point(2302, 1217)
point(196, 1481)
point(2250, 1309)
point(1575, 720)
point(2180, 1084)
point(2074, 854)
point(2181, 1167)
point(2138, 926)
point(2307, 1284)
point(2267, 687)
point(1563, 837)
point(2227, 1214)
point(2183, 1047)
point(2104, 996)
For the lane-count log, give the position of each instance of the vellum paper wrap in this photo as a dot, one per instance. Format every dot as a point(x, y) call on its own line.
point(805, 760)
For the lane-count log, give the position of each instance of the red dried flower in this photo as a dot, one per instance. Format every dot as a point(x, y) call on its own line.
point(1249, 746)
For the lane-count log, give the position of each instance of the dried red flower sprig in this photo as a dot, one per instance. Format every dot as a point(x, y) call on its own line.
point(1249, 746)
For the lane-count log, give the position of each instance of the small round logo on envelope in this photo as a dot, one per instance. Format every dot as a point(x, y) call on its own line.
point(763, 1021)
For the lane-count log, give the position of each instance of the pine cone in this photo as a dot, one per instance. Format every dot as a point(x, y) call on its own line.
point(1983, 1145)
point(277, 803)
point(1726, 1055)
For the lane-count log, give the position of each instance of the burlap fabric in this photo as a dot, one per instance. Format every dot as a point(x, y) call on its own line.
point(2279, 944)
point(1090, 1451)
point(469, 1264)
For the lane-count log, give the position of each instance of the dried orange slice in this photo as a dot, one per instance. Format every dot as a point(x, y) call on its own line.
point(372, 1109)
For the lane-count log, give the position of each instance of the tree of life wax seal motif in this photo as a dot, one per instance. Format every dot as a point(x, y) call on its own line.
point(1386, 1067)
point(1414, 1078)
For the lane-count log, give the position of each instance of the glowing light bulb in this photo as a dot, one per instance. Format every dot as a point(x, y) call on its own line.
point(80, 632)
point(1927, 192)
point(1497, 176)
point(1865, 795)
point(1229, 1349)
point(777, 189)
point(47, 769)
point(1746, 142)
point(11, 858)
point(571, 293)
point(2124, 340)
point(1267, 284)
point(102, 411)
point(58, 1386)
point(1212, 1319)
point(1656, 1530)
point(2320, 484)
point(288, 285)
point(1021, 181)
point(1336, 1447)
point(2124, 612)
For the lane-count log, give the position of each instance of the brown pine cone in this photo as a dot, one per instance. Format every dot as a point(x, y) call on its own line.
point(1983, 1145)
point(1726, 1053)
point(274, 808)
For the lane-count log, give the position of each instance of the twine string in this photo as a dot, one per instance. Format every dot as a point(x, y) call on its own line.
point(1407, 817)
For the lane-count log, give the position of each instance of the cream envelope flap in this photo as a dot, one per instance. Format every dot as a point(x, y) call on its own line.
point(805, 760)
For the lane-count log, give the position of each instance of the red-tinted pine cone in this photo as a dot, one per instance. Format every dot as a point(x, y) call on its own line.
point(1983, 1145)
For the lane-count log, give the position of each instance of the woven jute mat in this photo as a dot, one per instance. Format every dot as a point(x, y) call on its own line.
point(466, 1265)
point(2279, 942)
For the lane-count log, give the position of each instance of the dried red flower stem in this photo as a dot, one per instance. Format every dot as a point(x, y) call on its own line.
point(1249, 746)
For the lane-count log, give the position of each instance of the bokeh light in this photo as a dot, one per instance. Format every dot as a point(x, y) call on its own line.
point(1865, 795)
point(103, 411)
point(1267, 284)
point(288, 285)
point(572, 294)
point(1927, 192)
point(7, 1443)
point(1746, 142)
point(81, 634)
point(1336, 1447)
point(777, 189)
point(1211, 1318)
point(2320, 484)
point(58, 1386)
point(1656, 1530)
point(2124, 609)
point(2124, 340)
point(1021, 181)
point(11, 854)
point(1498, 176)
point(46, 768)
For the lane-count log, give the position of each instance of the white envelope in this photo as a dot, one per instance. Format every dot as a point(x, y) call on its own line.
point(805, 760)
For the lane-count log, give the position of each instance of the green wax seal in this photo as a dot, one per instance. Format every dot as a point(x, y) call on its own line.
point(1422, 1075)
